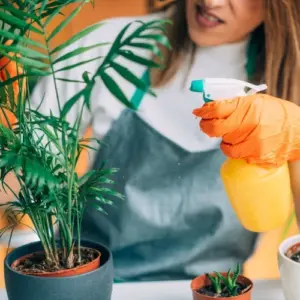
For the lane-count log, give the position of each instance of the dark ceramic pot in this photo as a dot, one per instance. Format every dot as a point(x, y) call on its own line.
point(95, 285)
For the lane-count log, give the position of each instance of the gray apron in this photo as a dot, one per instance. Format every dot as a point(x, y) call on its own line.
point(176, 221)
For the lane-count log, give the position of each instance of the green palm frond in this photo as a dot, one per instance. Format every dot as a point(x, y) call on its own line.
point(148, 37)
point(8, 139)
point(94, 185)
point(20, 19)
point(34, 174)
point(41, 60)
point(127, 46)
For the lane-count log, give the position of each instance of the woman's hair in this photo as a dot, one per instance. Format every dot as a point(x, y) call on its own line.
point(273, 52)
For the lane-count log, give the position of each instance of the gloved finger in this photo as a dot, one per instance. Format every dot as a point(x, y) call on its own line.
point(256, 148)
point(217, 109)
point(219, 127)
point(213, 128)
point(242, 124)
point(266, 163)
point(251, 154)
point(240, 134)
point(247, 125)
point(245, 150)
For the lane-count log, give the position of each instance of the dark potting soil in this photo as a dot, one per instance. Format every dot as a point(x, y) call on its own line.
point(209, 291)
point(36, 263)
point(296, 257)
point(293, 253)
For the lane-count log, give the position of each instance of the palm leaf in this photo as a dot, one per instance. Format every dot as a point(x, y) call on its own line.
point(77, 52)
point(24, 61)
point(147, 62)
point(24, 40)
point(85, 93)
point(127, 74)
point(15, 22)
point(73, 66)
point(118, 48)
point(64, 23)
point(77, 37)
point(114, 88)
point(24, 51)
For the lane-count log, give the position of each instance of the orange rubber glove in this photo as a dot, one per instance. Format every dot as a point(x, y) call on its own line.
point(260, 129)
point(10, 67)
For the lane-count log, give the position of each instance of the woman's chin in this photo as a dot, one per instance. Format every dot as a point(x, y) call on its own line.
point(202, 39)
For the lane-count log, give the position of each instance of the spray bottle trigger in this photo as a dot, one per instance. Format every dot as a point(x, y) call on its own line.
point(206, 98)
point(258, 89)
point(198, 86)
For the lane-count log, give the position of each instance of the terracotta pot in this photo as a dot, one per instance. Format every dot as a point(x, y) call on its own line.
point(93, 285)
point(202, 281)
point(93, 265)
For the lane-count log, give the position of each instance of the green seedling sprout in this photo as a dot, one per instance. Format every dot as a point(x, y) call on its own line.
point(216, 283)
point(229, 282)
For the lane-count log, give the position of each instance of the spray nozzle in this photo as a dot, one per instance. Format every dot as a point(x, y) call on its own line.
point(224, 88)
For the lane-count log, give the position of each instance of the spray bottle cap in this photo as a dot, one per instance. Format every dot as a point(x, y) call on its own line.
point(224, 88)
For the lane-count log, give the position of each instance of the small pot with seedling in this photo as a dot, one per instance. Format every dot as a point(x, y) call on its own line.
point(289, 267)
point(222, 286)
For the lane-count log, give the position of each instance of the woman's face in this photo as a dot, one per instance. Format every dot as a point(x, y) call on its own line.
point(216, 22)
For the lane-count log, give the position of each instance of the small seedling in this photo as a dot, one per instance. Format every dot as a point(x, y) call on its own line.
point(216, 283)
point(227, 283)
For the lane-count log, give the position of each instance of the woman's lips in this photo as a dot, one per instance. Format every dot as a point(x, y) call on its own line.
point(206, 19)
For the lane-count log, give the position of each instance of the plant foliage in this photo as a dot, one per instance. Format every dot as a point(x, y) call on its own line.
point(42, 150)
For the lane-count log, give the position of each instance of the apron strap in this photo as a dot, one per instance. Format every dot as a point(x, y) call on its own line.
point(139, 94)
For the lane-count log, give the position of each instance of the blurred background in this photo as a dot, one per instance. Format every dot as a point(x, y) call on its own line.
point(263, 263)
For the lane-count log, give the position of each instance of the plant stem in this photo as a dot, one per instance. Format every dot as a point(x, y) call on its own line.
point(73, 166)
point(79, 237)
point(68, 234)
point(43, 220)
point(40, 234)
point(63, 243)
point(50, 224)
point(68, 238)
point(52, 71)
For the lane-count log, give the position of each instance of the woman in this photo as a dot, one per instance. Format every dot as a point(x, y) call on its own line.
point(176, 221)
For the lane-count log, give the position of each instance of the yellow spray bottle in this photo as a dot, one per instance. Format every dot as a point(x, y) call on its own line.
point(261, 197)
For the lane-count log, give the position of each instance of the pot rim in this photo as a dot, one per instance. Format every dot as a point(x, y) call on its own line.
point(285, 245)
point(8, 266)
point(45, 274)
point(214, 298)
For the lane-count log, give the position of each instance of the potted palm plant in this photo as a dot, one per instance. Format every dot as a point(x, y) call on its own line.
point(43, 150)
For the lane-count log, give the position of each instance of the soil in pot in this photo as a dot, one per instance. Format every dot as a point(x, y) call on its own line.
point(209, 291)
point(293, 253)
point(35, 264)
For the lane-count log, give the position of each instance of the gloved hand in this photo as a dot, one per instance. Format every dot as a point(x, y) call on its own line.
point(260, 129)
